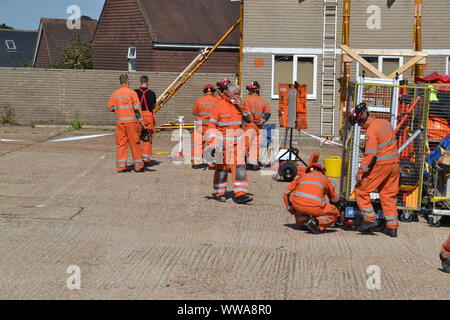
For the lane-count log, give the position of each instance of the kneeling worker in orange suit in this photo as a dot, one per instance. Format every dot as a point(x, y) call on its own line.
point(445, 255)
point(259, 114)
point(305, 199)
point(225, 132)
point(129, 122)
point(202, 110)
point(379, 170)
point(147, 99)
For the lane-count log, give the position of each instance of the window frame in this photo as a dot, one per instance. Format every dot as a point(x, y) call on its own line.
point(135, 53)
point(295, 57)
point(380, 63)
point(8, 47)
point(447, 65)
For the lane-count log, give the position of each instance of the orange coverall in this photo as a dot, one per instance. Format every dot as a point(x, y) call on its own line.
point(202, 110)
point(257, 107)
point(445, 250)
point(225, 127)
point(305, 198)
point(124, 102)
point(384, 176)
point(149, 123)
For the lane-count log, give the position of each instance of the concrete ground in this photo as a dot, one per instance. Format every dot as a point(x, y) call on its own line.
point(157, 235)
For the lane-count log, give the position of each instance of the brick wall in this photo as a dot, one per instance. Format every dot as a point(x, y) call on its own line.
point(41, 96)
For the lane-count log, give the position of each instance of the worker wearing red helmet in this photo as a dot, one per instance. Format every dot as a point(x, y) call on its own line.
point(379, 170)
point(202, 110)
point(445, 255)
point(259, 114)
point(222, 85)
point(305, 199)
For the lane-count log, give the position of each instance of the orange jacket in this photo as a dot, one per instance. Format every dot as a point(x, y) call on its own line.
point(203, 108)
point(219, 97)
point(380, 143)
point(124, 102)
point(257, 107)
point(226, 116)
point(445, 250)
point(310, 190)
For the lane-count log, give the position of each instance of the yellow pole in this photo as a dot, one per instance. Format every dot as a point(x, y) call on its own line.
point(189, 74)
point(418, 68)
point(241, 45)
point(345, 66)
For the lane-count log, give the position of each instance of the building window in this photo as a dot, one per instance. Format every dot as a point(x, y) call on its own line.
point(384, 64)
point(10, 45)
point(291, 68)
point(132, 59)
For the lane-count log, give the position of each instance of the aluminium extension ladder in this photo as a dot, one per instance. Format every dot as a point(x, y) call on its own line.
point(329, 60)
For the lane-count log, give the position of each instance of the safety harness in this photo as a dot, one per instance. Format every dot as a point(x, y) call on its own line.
point(144, 99)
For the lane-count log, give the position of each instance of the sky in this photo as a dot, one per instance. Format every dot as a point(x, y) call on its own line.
point(25, 14)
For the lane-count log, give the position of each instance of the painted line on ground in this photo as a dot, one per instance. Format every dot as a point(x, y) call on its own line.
point(80, 137)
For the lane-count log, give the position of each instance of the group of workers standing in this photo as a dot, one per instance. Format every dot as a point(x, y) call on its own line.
point(231, 128)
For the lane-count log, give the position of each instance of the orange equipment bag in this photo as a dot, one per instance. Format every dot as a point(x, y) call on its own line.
point(292, 106)
point(438, 128)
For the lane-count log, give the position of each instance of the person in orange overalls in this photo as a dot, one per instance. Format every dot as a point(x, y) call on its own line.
point(305, 199)
point(129, 122)
point(226, 136)
point(445, 255)
point(259, 114)
point(379, 170)
point(202, 110)
point(147, 99)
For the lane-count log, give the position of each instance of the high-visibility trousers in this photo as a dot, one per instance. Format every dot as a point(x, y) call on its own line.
point(384, 178)
point(147, 147)
point(198, 141)
point(127, 135)
point(252, 142)
point(326, 215)
point(238, 172)
point(445, 250)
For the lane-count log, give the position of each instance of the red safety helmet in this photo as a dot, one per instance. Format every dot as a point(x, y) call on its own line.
point(223, 84)
point(359, 114)
point(316, 166)
point(254, 86)
point(209, 87)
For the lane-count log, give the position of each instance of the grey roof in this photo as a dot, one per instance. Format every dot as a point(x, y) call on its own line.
point(25, 42)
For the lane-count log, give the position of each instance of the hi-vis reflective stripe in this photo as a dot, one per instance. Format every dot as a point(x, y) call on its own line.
point(381, 146)
point(240, 189)
point(203, 114)
point(213, 120)
point(364, 167)
point(241, 183)
point(124, 107)
point(310, 196)
point(288, 191)
point(136, 107)
point(392, 223)
point(128, 118)
point(389, 156)
point(121, 160)
point(391, 217)
point(138, 160)
point(444, 254)
point(226, 124)
point(313, 183)
point(227, 138)
point(371, 151)
point(121, 165)
point(220, 185)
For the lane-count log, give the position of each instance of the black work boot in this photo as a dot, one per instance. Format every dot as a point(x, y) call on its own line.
point(367, 226)
point(446, 266)
point(220, 198)
point(391, 232)
point(313, 226)
point(197, 166)
point(243, 199)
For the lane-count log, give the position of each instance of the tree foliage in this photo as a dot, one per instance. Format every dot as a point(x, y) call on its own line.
point(4, 26)
point(76, 55)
